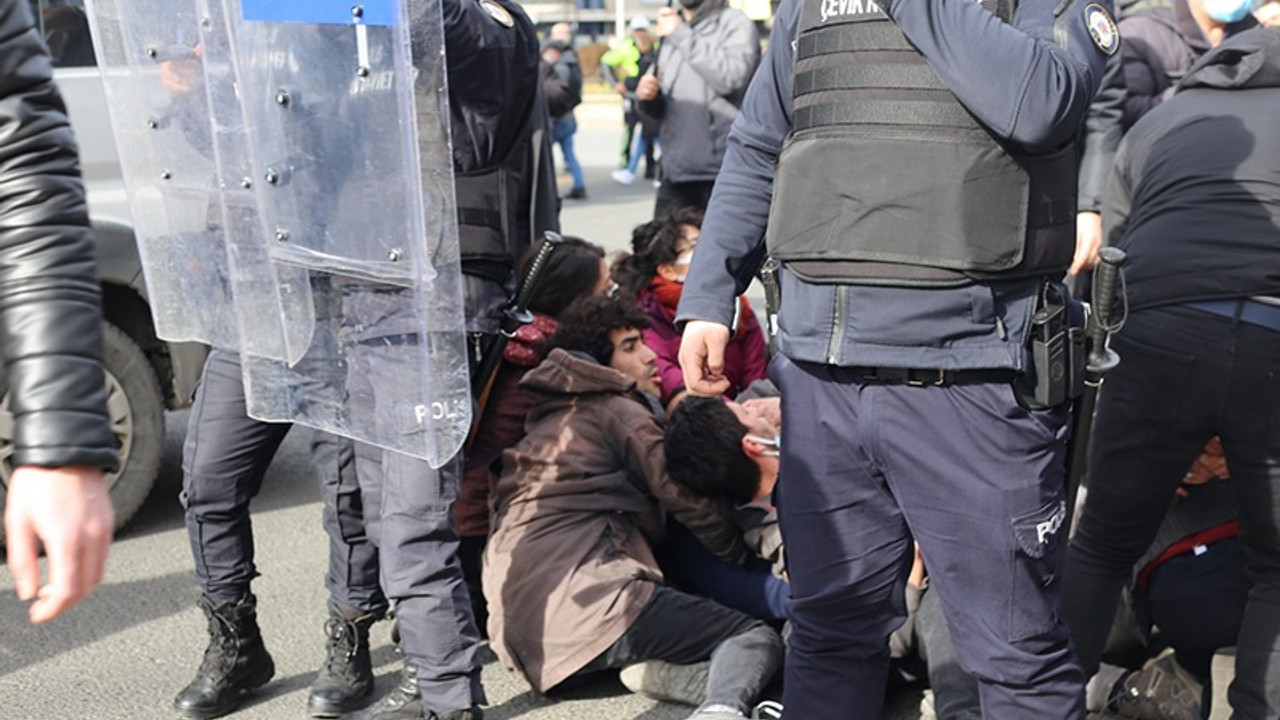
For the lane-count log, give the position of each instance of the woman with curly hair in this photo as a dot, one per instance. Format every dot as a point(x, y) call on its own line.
point(654, 274)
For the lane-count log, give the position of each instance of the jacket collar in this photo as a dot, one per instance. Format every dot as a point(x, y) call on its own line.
point(1250, 59)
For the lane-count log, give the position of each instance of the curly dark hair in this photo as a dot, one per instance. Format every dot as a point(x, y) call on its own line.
point(652, 244)
point(586, 325)
point(704, 451)
point(571, 273)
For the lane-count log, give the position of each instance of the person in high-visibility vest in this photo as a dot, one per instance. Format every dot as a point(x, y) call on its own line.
point(622, 65)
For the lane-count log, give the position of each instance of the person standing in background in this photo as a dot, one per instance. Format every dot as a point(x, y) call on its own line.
point(709, 53)
point(622, 67)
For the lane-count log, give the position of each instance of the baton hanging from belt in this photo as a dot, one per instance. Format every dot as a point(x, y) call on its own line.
point(1101, 360)
point(515, 316)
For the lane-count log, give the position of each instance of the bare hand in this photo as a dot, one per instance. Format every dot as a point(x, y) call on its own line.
point(648, 88)
point(668, 20)
point(702, 357)
point(916, 578)
point(1268, 14)
point(69, 510)
point(768, 408)
point(1088, 242)
point(1212, 463)
point(180, 76)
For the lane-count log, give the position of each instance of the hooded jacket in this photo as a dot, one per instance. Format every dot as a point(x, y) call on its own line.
point(50, 314)
point(745, 358)
point(570, 566)
point(1195, 195)
point(501, 426)
point(704, 67)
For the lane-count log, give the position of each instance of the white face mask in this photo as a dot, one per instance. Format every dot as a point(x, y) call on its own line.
point(682, 264)
point(775, 442)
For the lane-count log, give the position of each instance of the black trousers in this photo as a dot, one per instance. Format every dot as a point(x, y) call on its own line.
point(224, 461)
point(1184, 376)
point(408, 509)
point(672, 195)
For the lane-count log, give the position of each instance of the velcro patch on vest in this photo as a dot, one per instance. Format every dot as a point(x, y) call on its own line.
point(830, 12)
point(1102, 28)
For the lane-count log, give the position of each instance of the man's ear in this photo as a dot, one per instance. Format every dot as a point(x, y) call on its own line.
point(751, 448)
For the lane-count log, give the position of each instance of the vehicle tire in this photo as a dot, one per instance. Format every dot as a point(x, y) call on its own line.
point(136, 407)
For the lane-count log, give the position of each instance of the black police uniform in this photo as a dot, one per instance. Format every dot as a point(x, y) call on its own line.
point(497, 115)
point(913, 164)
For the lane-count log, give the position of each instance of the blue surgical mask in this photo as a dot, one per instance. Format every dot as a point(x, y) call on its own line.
point(1228, 11)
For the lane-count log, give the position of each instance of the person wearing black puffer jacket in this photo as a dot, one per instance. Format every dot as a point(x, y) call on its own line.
point(1195, 203)
point(50, 336)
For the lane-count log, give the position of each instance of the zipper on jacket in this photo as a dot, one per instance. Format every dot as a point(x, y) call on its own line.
point(837, 328)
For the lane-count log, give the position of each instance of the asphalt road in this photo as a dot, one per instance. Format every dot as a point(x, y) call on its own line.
point(125, 652)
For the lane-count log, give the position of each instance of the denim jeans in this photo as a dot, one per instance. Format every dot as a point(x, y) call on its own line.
point(751, 588)
point(562, 132)
point(1184, 376)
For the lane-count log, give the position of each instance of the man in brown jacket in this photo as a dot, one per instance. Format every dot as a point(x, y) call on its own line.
point(569, 572)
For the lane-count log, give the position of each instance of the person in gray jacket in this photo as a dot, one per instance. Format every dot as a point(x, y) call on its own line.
point(50, 337)
point(709, 53)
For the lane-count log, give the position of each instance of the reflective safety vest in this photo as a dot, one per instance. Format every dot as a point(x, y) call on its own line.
point(886, 179)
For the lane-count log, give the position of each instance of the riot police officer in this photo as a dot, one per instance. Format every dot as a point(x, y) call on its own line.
point(914, 164)
point(506, 197)
point(497, 118)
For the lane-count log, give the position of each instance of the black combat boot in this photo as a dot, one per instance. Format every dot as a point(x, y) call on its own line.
point(405, 703)
point(235, 662)
point(402, 703)
point(346, 678)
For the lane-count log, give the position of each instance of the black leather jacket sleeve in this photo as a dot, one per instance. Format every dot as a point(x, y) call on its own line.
point(50, 312)
point(1102, 133)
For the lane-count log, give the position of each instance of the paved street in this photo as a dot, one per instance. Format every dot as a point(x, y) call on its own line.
point(126, 651)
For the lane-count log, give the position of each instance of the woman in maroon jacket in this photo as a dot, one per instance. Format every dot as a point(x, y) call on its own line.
point(575, 270)
point(654, 275)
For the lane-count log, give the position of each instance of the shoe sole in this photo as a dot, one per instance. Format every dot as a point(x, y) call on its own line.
point(233, 702)
point(317, 708)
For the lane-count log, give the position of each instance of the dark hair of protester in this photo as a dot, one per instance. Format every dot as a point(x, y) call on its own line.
point(652, 244)
point(704, 451)
point(586, 325)
point(572, 272)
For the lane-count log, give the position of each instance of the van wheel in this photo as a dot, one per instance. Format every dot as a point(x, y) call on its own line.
point(136, 408)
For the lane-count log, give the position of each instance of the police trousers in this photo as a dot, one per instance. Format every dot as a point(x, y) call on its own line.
point(1184, 376)
point(225, 457)
point(977, 481)
point(409, 515)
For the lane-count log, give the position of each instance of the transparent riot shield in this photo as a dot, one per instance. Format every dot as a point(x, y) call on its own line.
point(152, 65)
point(273, 296)
point(351, 173)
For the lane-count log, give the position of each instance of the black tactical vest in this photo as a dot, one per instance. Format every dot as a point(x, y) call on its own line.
point(496, 208)
point(886, 179)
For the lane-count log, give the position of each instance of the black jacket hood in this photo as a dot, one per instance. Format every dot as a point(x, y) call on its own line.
point(1250, 59)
